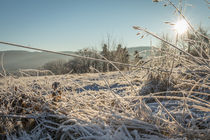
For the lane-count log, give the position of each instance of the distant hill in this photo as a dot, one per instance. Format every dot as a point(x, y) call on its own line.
point(144, 49)
point(14, 60)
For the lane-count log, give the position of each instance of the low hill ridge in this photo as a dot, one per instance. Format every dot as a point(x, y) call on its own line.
point(19, 59)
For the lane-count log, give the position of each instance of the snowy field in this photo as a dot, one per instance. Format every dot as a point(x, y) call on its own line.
point(137, 104)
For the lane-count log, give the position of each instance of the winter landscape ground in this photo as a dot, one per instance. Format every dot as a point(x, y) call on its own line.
point(154, 101)
point(165, 96)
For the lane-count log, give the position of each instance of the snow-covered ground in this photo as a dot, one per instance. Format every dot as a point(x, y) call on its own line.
point(106, 106)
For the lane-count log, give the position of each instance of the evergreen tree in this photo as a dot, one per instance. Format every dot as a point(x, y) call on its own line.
point(118, 55)
point(137, 57)
point(125, 58)
point(105, 53)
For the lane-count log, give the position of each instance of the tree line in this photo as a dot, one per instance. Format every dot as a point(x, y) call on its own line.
point(78, 65)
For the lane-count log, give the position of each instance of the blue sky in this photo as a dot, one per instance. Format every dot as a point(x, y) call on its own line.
point(70, 25)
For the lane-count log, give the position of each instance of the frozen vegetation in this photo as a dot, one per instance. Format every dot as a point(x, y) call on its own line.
point(155, 101)
point(166, 96)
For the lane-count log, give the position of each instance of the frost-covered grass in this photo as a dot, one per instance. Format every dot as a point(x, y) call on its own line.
point(165, 97)
point(155, 101)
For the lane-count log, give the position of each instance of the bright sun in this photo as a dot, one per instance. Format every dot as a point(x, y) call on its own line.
point(181, 26)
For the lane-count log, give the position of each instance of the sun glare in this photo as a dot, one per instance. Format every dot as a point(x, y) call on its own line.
point(181, 26)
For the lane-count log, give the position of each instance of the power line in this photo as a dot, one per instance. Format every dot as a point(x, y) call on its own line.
point(65, 54)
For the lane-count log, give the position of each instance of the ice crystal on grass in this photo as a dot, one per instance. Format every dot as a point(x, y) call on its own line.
point(102, 113)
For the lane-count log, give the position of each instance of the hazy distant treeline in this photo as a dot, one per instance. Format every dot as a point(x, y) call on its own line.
point(78, 65)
